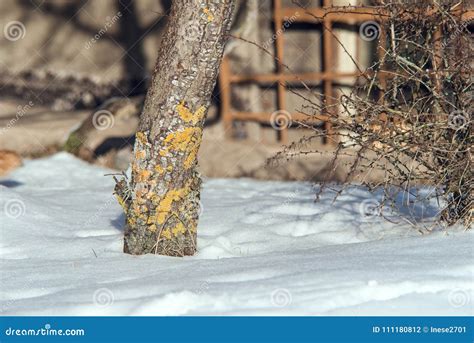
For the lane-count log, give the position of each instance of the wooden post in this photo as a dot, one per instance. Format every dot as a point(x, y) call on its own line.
point(225, 92)
point(279, 42)
point(328, 68)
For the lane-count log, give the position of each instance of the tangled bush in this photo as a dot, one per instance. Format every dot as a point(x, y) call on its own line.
point(410, 114)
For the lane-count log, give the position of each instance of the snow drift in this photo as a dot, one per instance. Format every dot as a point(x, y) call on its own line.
point(264, 248)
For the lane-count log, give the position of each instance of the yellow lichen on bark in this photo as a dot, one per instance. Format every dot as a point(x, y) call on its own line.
point(165, 185)
point(169, 233)
point(179, 140)
point(131, 221)
point(139, 212)
point(192, 155)
point(179, 229)
point(141, 137)
point(164, 208)
point(187, 140)
point(164, 212)
point(188, 116)
point(166, 233)
point(165, 203)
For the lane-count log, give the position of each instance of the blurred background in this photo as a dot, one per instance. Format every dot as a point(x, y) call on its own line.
point(73, 75)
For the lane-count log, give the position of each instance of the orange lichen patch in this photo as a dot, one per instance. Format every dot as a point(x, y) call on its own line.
point(135, 208)
point(140, 154)
point(143, 175)
point(210, 17)
point(135, 169)
point(141, 137)
point(152, 228)
point(188, 116)
point(140, 199)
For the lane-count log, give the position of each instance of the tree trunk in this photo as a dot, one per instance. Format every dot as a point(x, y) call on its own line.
point(161, 202)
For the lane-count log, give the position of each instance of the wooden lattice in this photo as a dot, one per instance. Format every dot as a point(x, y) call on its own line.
point(327, 15)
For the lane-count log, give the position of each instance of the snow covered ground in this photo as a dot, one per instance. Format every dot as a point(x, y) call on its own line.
point(265, 248)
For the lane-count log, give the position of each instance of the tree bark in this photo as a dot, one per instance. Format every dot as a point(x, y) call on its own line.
point(161, 201)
